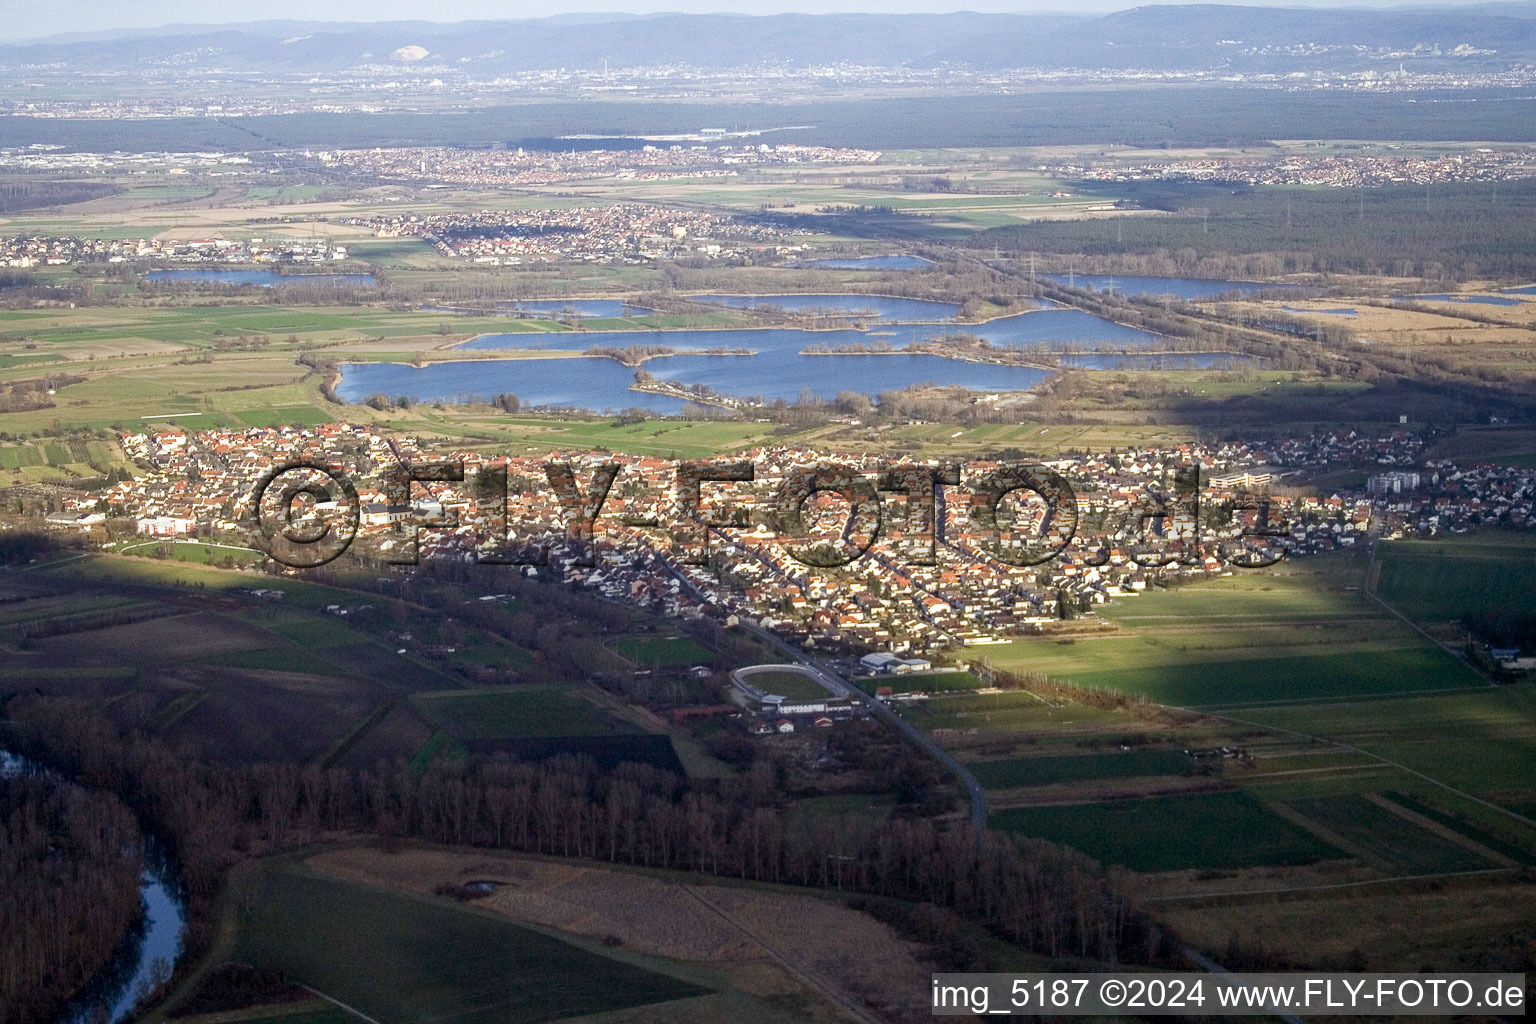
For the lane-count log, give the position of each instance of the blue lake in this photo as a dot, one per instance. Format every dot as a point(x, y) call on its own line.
point(886, 307)
point(1342, 311)
point(866, 263)
point(602, 384)
point(779, 370)
point(1183, 287)
point(264, 278)
point(1529, 289)
point(1482, 300)
point(1028, 330)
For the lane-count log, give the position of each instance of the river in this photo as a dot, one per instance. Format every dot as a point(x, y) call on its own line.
point(155, 941)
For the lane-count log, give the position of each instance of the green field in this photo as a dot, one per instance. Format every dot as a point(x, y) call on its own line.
point(1013, 772)
point(1299, 632)
point(664, 651)
point(401, 957)
point(927, 682)
point(1218, 684)
point(1398, 843)
point(277, 659)
point(525, 712)
point(1461, 826)
point(1482, 742)
point(1208, 830)
point(194, 551)
point(1438, 580)
point(1015, 710)
point(784, 683)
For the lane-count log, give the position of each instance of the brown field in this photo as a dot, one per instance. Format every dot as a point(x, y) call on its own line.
point(396, 735)
point(1080, 792)
point(769, 944)
point(1405, 930)
point(1390, 324)
point(262, 715)
point(175, 638)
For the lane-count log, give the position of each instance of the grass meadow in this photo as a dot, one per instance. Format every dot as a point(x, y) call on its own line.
point(396, 956)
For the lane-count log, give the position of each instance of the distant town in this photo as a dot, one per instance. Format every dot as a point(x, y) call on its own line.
point(197, 484)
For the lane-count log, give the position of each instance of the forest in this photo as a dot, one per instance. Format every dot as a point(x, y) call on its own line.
point(70, 857)
point(1046, 897)
point(1453, 232)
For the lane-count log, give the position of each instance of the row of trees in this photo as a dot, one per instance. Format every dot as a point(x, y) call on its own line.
point(1046, 897)
point(69, 863)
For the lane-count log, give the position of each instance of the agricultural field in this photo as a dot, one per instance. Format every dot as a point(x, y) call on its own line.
point(1445, 578)
point(1206, 830)
point(1431, 926)
point(65, 458)
point(1301, 632)
point(772, 954)
point(1011, 773)
point(1482, 742)
point(524, 712)
point(1398, 845)
point(1505, 446)
point(1009, 712)
point(400, 956)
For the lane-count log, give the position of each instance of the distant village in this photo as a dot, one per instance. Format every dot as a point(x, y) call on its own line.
point(619, 233)
point(648, 162)
point(198, 484)
point(1469, 164)
point(28, 251)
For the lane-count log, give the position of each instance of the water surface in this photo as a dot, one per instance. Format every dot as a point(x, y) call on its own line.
point(1184, 287)
point(1482, 300)
point(156, 940)
point(264, 278)
point(885, 307)
point(1341, 311)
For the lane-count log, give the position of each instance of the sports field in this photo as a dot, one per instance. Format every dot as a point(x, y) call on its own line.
point(664, 651)
point(785, 683)
point(196, 551)
point(401, 957)
point(927, 682)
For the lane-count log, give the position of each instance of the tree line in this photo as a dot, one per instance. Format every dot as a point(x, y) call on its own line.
point(1048, 898)
point(69, 867)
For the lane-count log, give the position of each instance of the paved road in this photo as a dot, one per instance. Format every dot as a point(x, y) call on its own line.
point(837, 684)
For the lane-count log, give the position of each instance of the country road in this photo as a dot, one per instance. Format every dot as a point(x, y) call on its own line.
point(838, 685)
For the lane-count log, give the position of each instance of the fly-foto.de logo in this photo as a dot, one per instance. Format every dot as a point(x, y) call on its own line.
point(825, 515)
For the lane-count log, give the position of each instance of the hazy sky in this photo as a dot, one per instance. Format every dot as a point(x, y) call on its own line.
point(31, 20)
